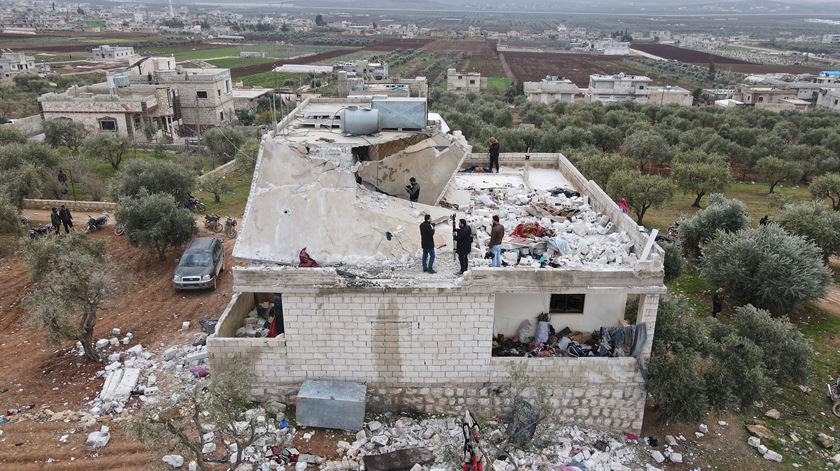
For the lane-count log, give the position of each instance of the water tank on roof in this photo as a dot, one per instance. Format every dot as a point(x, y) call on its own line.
point(359, 121)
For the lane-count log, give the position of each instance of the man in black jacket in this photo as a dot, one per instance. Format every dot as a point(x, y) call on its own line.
point(463, 243)
point(427, 241)
point(494, 155)
point(66, 218)
point(413, 190)
point(55, 219)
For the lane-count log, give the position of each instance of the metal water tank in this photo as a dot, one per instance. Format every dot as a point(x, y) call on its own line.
point(359, 121)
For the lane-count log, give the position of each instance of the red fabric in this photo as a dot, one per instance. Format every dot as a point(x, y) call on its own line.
point(272, 328)
point(528, 229)
point(305, 260)
point(625, 208)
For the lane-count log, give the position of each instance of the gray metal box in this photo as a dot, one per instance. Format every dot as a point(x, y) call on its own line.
point(331, 404)
point(401, 113)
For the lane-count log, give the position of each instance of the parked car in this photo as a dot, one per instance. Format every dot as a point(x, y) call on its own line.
point(200, 265)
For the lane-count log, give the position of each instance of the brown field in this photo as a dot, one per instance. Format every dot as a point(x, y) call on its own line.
point(486, 49)
point(534, 66)
point(310, 59)
point(666, 51)
point(769, 68)
point(395, 43)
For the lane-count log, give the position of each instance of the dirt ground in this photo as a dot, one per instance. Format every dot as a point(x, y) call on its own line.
point(534, 66)
point(238, 72)
point(35, 374)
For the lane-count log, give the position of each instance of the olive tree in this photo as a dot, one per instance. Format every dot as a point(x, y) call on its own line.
point(155, 221)
point(699, 173)
point(722, 214)
point(642, 192)
point(646, 147)
point(776, 170)
point(11, 135)
point(9, 218)
point(246, 157)
point(27, 170)
point(786, 352)
point(600, 167)
point(766, 267)
point(72, 278)
point(153, 177)
point(827, 186)
point(815, 222)
point(106, 146)
point(224, 142)
point(64, 132)
point(216, 184)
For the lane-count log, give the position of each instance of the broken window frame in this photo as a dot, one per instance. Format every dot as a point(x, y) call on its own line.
point(566, 303)
point(198, 94)
point(113, 122)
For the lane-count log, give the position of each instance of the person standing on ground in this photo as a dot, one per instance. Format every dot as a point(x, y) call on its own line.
point(55, 219)
point(427, 242)
point(497, 233)
point(717, 302)
point(66, 218)
point(463, 243)
point(494, 154)
point(62, 178)
point(413, 189)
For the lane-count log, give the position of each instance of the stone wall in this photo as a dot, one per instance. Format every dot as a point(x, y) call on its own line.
point(424, 350)
point(98, 206)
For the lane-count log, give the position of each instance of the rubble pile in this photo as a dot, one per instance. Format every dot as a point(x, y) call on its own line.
point(555, 228)
point(253, 326)
point(544, 341)
point(127, 372)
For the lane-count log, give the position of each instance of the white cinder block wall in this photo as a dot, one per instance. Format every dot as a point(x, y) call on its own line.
point(424, 350)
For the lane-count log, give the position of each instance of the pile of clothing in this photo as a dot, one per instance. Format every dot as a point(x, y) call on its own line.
point(618, 341)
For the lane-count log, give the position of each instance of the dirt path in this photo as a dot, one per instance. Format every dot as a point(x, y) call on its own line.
point(53, 376)
point(508, 73)
point(831, 301)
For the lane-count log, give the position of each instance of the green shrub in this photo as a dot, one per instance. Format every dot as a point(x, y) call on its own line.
point(736, 376)
point(674, 261)
point(677, 387)
point(786, 352)
point(722, 214)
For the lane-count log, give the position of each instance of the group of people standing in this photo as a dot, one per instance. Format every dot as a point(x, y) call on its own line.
point(463, 243)
point(61, 217)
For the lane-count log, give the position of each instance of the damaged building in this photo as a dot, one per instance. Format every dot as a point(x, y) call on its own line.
point(330, 184)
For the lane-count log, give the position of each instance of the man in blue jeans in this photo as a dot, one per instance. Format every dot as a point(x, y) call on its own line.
point(497, 233)
point(427, 241)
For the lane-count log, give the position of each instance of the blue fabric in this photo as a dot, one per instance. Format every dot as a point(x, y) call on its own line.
point(428, 255)
point(497, 255)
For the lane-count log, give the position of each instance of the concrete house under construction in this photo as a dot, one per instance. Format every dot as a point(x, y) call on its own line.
point(331, 179)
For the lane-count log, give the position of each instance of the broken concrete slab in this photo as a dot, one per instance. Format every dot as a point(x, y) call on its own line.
point(400, 460)
point(176, 461)
point(760, 431)
point(331, 404)
point(119, 383)
point(98, 439)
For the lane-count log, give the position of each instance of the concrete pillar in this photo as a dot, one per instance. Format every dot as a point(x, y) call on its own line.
point(648, 307)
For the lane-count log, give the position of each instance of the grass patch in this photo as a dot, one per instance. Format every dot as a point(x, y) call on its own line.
point(497, 84)
point(754, 197)
point(692, 286)
point(233, 203)
point(274, 79)
point(271, 51)
point(232, 63)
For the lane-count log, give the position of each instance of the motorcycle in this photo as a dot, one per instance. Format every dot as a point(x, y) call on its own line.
point(94, 224)
point(36, 233)
point(230, 230)
point(211, 221)
point(195, 205)
point(24, 221)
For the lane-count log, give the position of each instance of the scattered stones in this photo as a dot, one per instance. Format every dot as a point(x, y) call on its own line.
point(374, 425)
point(657, 456)
point(185, 325)
point(773, 414)
point(771, 455)
point(760, 431)
point(176, 461)
point(380, 440)
point(208, 448)
point(97, 440)
point(676, 458)
point(699, 434)
point(825, 441)
point(754, 442)
point(723, 423)
point(670, 440)
point(703, 428)
point(805, 389)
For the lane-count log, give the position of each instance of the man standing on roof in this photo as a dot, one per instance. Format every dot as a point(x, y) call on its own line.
point(413, 189)
point(497, 233)
point(463, 243)
point(427, 242)
point(494, 154)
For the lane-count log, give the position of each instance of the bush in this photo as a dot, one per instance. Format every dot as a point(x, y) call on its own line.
point(11, 135)
point(246, 158)
point(677, 387)
point(216, 184)
point(815, 222)
point(154, 177)
point(108, 147)
point(737, 378)
point(766, 267)
point(677, 330)
point(674, 261)
point(155, 222)
point(224, 142)
point(600, 167)
point(786, 352)
point(827, 186)
point(9, 218)
point(641, 191)
point(722, 214)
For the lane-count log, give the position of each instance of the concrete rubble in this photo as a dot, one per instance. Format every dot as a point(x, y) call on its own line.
point(252, 326)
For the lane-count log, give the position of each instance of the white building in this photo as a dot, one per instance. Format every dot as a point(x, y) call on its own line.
point(15, 63)
point(112, 54)
point(618, 87)
point(464, 83)
point(829, 98)
point(553, 89)
point(332, 179)
point(831, 39)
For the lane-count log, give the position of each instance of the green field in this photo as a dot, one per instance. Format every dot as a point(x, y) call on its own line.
point(497, 84)
point(233, 203)
point(233, 63)
point(273, 79)
point(753, 195)
point(277, 52)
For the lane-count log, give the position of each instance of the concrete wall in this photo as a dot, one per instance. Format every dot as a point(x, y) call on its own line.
point(99, 206)
point(421, 350)
point(30, 126)
point(599, 310)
